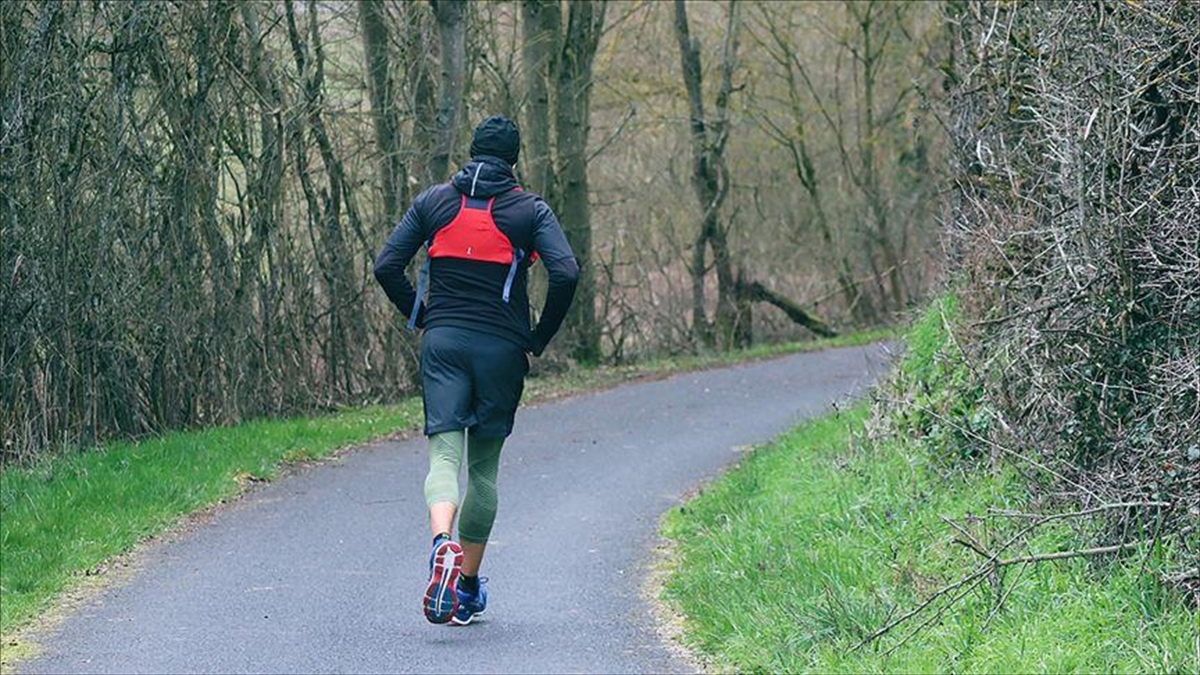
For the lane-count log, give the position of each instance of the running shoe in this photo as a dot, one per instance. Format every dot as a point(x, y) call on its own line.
point(441, 598)
point(471, 605)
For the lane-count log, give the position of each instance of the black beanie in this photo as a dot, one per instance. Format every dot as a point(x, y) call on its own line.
point(497, 136)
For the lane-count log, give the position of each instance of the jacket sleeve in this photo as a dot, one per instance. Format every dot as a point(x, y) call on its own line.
point(551, 245)
point(401, 246)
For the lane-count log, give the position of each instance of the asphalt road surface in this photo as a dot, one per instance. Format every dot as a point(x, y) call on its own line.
point(323, 571)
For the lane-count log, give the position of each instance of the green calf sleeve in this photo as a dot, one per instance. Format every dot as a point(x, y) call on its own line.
point(479, 506)
point(445, 458)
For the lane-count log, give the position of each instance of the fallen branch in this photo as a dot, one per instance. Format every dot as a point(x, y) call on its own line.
point(754, 290)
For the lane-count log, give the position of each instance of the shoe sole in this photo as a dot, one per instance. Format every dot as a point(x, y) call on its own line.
point(441, 599)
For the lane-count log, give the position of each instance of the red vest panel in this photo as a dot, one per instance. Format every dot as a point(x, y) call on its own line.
point(472, 235)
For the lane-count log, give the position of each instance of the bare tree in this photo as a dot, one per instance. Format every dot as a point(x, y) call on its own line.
point(559, 58)
point(859, 124)
point(393, 172)
point(878, 23)
point(265, 196)
point(782, 49)
point(338, 201)
point(710, 177)
point(585, 19)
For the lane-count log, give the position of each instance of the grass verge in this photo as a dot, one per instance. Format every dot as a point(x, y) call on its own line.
point(63, 517)
point(789, 560)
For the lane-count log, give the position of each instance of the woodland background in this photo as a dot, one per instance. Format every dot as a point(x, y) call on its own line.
point(193, 192)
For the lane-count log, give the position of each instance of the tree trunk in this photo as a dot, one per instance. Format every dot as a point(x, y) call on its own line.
point(541, 23)
point(709, 179)
point(393, 173)
point(701, 330)
point(418, 23)
point(859, 307)
point(572, 122)
point(731, 329)
point(394, 187)
point(870, 59)
point(452, 36)
point(703, 181)
point(743, 325)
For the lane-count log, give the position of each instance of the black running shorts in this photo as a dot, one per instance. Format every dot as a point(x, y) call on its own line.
point(471, 380)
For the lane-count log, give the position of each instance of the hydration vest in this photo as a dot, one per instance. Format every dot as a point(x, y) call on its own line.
point(471, 235)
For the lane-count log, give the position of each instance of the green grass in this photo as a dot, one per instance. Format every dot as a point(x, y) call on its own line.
point(72, 511)
point(789, 560)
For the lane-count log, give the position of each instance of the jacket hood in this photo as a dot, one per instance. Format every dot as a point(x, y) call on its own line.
point(484, 177)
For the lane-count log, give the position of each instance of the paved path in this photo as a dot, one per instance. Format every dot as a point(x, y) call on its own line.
point(323, 571)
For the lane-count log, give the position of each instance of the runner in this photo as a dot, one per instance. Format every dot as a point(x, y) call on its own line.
point(482, 232)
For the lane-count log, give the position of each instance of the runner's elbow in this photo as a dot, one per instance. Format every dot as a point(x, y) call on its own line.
point(564, 273)
point(384, 268)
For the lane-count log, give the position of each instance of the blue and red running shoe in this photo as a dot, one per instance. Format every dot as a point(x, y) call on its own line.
point(471, 604)
point(441, 596)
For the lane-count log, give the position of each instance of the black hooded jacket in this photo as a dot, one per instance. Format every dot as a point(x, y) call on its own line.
point(467, 293)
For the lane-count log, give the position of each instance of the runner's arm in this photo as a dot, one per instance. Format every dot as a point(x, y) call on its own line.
point(551, 245)
point(401, 246)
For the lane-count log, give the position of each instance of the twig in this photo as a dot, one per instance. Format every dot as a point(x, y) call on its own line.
point(1004, 597)
point(1078, 514)
point(1193, 573)
point(970, 542)
point(616, 132)
point(978, 573)
point(937, 615)
point(1062, 555)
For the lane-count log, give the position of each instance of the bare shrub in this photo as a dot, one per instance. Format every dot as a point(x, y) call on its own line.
point(1076, 227)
